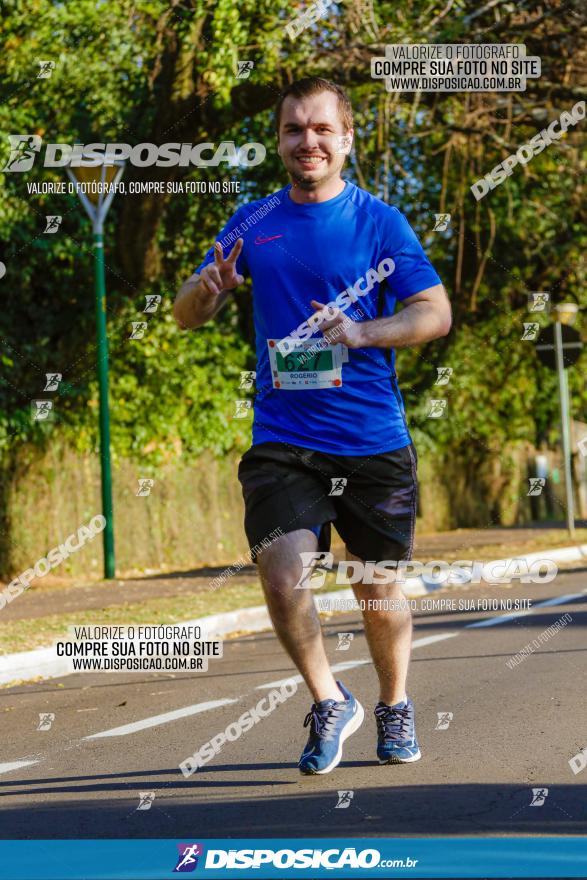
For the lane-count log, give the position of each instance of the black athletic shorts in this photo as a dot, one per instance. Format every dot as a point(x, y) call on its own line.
point(290, 487)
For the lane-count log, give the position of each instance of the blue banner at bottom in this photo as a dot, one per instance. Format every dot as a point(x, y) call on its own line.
point(294, 857)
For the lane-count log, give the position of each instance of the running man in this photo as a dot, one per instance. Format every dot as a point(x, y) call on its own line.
point(328, 261)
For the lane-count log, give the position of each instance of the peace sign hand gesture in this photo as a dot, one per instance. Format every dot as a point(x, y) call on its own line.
point(221, 274)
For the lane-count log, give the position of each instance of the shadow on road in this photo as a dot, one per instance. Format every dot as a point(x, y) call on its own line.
point(203, 808)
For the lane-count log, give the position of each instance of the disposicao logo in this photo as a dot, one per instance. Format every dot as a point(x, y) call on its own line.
point(24, 149)
point(188, 857)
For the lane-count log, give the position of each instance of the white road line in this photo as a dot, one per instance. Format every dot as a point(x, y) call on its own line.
point(338, 667)
point(493, 621)
point(351, 664)
point(165, 718)
point(559, 600)
point(15, 765)
point(429, 640)
point(348, 664)
point(277, 684)
point(503, 618)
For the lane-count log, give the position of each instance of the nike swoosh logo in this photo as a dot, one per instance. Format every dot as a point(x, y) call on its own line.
point(261, 240)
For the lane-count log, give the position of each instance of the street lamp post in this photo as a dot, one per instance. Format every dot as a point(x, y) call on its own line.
point(96, 205)
point(565, 313)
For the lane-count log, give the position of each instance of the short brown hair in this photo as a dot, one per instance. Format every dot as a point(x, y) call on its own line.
point(313, 85)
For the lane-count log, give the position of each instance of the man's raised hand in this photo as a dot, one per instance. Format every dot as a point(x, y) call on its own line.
point(221, 274)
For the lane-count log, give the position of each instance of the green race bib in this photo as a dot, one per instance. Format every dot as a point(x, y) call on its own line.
point(309, 364)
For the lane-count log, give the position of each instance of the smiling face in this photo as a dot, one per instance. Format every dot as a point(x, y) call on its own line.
point(310, 133)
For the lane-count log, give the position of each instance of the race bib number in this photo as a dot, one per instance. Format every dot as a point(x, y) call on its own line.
point(307, 365)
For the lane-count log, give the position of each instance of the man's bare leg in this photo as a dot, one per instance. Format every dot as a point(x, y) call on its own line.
point(389, 636)
point(293, 612)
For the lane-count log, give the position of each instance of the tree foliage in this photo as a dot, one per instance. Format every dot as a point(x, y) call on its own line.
point(145, 71)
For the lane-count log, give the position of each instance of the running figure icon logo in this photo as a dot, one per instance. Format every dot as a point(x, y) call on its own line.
point(244, 69)
point(146, 799)
point(539, 796)
point(338, 484)
point(537, 484)
point(443, 375)
point(530, 331)
point(46, 69)
point(242, 408)
point(53, 223)
point(539, 301)
point(53, 380)
point(46, 719)
point(310, 579)
point(188, 857)
point(437, 408)
point(23, 150)
point(247, 379)
point(444, 719)
point(441, 222)
point(42, 410)
point(344, 641)
point(138, 329)
point(152, 302)
point(145, 486)
point(344, 800)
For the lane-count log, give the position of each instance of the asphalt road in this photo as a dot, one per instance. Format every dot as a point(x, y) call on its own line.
point(512, 730)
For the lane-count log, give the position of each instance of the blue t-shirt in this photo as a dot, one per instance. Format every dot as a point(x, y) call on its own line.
point(295, 253)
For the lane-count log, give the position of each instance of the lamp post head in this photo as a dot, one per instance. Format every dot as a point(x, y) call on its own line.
point(565, 313)
point(96, 184)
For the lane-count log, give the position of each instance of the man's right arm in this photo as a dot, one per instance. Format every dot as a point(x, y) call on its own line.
point(194, 304)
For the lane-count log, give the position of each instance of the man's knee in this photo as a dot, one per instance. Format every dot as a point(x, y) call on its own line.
point(280, 578)
point(285, 565)
point(282, 582)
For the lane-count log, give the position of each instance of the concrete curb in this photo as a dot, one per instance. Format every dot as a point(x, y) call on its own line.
point(42, 662)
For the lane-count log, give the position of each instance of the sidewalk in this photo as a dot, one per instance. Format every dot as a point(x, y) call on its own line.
point(43, 599)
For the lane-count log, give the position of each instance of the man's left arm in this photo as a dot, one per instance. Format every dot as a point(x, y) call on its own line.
point(425, 315)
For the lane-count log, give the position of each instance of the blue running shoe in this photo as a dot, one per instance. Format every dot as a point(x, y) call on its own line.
point(331, 723)
point(396, 733)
